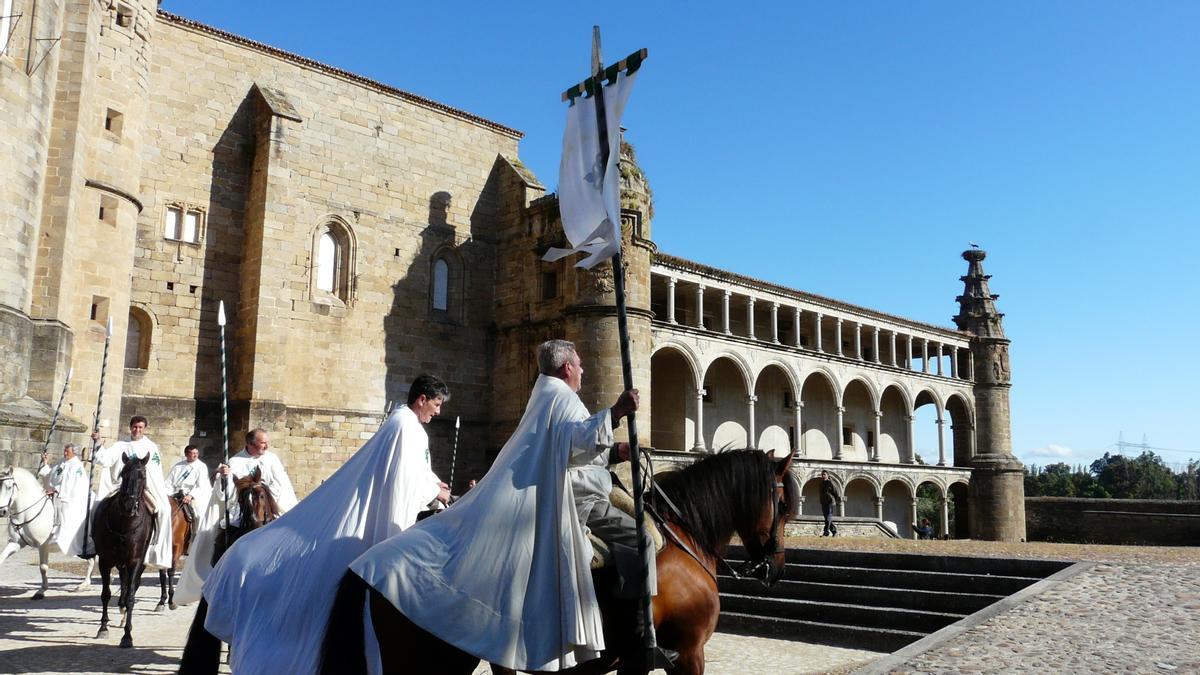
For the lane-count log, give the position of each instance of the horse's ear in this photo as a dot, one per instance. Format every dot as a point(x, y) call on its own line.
point(124, 458)
point(782, 466)
point(256, 474)
point(145, 459)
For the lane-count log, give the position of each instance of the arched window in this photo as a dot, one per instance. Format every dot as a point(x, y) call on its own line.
point(333, 263)
point(137, 339)
point(441, 285)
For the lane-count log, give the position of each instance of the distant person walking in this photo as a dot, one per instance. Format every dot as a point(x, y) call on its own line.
point(829, 497)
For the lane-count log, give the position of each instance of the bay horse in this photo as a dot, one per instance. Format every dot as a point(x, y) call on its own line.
point(30, 513)
point(181, 536)
point(743, 492)
point(202, 652)
point(122, 528)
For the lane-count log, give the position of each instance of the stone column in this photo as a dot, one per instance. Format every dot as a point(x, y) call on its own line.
point(819, 317)
point(858, 341)
point(750, 318)
point(698, 446)
point(700, 306)
point(879, 509)
point(970, 365)
point(895, 360)
point(753, 435)
point(725, 311)
point(913, 516)
point(954, 354)
point(875, 343)
point(940, 358)
point(924, 355)
point(837, 441)
point(838, 335)
point(671, 299)
point(799, 449)
point(912, 440)
point(875, 445)
point(945, 526)
point(775, 322)
point(941, 423)
point(908, 362)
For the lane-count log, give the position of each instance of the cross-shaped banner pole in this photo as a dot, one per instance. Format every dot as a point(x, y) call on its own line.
point(594, 86)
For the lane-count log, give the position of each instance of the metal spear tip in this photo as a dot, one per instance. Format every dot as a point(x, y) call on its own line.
point(221, 313)
point(457, 419)
point(109, 329)
point(70, 372)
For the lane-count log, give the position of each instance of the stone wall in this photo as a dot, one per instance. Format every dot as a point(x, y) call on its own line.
point(1113, 521)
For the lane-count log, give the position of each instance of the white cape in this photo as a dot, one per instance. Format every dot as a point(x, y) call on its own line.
point(71, 502)
point(270, 594)
point(191, 478)
point(503, 574)
point(212, 520)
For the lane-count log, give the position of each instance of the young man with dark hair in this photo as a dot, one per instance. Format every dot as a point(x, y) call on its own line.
point(112, 458)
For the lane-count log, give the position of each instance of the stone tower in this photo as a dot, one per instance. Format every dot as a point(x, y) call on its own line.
point(997, 507)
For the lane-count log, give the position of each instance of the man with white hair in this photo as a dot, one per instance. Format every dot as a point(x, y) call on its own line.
point(521, 518)
point(68, 486)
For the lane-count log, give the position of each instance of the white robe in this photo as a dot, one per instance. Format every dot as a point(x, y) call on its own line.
point(212, 520)
point(70, 483)
point(504, 574)
point(191, 478)
point(109, 459)
point(297, 561)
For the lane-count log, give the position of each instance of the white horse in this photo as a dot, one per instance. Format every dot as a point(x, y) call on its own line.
point(30, 513)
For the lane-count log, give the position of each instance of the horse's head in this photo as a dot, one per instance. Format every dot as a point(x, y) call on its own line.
point(255, 500)
point(763, 536)
point(133, 479)
point(8, 490)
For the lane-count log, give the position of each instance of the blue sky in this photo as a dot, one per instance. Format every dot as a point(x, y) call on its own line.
point(853, 150)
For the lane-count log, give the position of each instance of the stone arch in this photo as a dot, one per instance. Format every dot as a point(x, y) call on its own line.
point(929, 494)
point(332, 273)
point(857, 434)
point(962, 429)
point(861, 491)
point(926, 427)
point(895, 446)
point(673, 400)
point(897, 505)
point(139, 336)
point(774, 408)
point(811, 491)
point(739, 361)
point(685, 350)
point(820, 436)
point(959, 494)
point(726, 409)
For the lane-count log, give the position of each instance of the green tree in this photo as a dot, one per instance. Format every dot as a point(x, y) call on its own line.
point(1143, 477)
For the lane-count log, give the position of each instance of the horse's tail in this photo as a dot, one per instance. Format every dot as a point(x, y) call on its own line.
point(202, 653)
point(343, 649)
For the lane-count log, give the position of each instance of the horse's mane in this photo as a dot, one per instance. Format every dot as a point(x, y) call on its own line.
point(718, 492)
point(247, 487)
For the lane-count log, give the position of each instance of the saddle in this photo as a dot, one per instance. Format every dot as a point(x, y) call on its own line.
point(623, 500)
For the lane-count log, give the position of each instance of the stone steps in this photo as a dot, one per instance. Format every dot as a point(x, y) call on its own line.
point(868, 600)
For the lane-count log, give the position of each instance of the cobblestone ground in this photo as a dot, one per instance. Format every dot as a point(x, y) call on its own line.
point(57, 634)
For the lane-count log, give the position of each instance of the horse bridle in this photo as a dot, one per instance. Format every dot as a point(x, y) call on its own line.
point(12, 515)
point(770, 548)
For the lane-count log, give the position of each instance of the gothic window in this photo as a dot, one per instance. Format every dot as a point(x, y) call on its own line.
point(441, 284)
point(6, 23)
point(332, 263)
point(182, 224)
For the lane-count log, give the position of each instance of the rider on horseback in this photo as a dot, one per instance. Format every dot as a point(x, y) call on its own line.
point(189, 484)
point(68, 486)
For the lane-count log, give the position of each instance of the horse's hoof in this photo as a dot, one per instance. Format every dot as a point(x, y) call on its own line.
point(39, 595)
point(102, 634)
point(82, 588)
point(126, 642)
point(159, 607)
point(173, 606)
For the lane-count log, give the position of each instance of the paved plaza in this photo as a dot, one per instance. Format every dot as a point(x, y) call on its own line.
point(1129, 610)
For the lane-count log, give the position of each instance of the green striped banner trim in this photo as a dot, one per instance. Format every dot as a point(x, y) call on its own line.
point(630, 64)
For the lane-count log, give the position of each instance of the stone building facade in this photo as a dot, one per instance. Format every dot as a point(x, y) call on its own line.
point(359, 235)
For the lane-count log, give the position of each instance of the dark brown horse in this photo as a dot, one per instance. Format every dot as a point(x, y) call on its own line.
point(202, 653)
point(122, 529)
point(742, 492)
point(181, 536)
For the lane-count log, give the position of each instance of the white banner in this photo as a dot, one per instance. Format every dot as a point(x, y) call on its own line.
point(588, 200)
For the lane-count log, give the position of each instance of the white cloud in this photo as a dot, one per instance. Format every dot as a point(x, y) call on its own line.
point(1050, 450)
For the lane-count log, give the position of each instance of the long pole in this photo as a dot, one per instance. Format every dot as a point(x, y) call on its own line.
point(87, 521)
point(649, 640)
point(454, 452)
point(57, 409)
point(224, 418)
